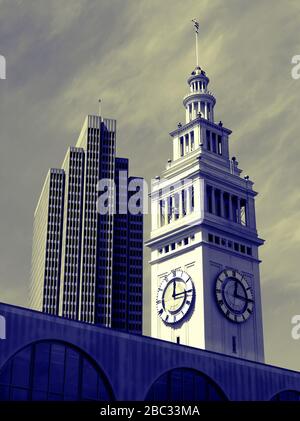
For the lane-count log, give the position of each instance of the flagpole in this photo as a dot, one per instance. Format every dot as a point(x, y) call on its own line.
point(196, 26)
point(197, 55)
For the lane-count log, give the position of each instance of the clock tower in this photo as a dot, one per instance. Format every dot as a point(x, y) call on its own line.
point(205, 281)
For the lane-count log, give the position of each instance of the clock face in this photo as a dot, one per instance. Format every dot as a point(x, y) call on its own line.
point(175, 296)
point(234, 296)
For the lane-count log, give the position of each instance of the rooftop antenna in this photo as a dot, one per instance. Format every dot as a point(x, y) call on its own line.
point(196, 26)
point(99, 101)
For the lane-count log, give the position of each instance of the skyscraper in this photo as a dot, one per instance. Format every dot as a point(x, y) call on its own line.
point(87, 265)
point(47, 244)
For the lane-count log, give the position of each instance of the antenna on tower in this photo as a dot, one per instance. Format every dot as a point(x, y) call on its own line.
point(196, 26)
point(99, 101)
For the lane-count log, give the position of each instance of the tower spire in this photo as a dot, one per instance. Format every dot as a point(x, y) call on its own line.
point(196, 26)
point(199, 102)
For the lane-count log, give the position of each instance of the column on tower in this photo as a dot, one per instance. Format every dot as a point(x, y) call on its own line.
point(247, 213)
point(238, 219)
point(189, 199)
point(238, 210)
point(180, 204)
point(187, 114)
point(171, 206)
point(160, 213)
point(186, 140)
point(192, 140)
point(184, 201)
point(176, 205)
point(251, 213)
point(203, 202)
point(192, 198)
point(205, 109)
point(166, 210)
point(201, 136)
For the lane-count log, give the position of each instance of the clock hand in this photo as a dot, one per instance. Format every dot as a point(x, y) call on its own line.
point(174, 289)
point(240, 297)
point(179, 294)
point(182, 293)
point(235, 289)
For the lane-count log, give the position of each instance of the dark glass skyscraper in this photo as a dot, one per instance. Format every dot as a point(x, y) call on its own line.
point(127, 255)
point(87, 265)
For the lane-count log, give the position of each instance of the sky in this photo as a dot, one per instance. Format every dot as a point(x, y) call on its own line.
point(136, 55)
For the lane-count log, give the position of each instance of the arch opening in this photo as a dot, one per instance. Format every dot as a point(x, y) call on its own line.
point(287, 395)
point(185, 384)
point(53, 370)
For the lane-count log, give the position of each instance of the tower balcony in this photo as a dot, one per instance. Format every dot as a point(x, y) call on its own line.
point(200, 94)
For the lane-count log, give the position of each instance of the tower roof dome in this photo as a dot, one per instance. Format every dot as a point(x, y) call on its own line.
point(198, 74)
point(198, 71)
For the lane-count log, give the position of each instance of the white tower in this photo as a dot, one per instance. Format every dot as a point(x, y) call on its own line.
point(205, 282)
